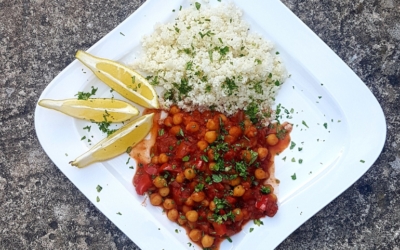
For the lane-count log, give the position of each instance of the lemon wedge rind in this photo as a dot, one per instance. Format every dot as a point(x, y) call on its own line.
point(117, 143)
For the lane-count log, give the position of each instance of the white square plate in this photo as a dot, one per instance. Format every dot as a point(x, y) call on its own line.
point(331, 157)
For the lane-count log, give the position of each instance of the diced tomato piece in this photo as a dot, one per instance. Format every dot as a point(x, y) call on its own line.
point(170, 167)
point(219, 186)
point(267, 205)
point(183, 150)
point(151, 170)
point(143, 183)
point(199, 164)
point(220, 229)
point(229, 155)
point(231, 200)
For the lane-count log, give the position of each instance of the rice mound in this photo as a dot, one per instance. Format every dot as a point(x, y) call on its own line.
point(208, 59)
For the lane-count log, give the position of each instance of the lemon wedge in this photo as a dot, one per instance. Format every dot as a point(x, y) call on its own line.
point(122, 79)
point(117, 143)
point(93, 109)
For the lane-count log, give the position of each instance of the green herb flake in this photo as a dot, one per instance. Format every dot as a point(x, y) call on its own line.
point(198, 5)
point(220, 40)
point(119, 213)
point(88, 128)
point(326, 125)
point(292, 145)
point(128, 150)
point(362, 161)
point(293, 176)
point(229, 239)
point(83, 138)
point(186, 158)
point(258, 222)
point(216, 178)
point(284, 158)
point(161, 132)
point(305, 124)
point(293, 159)
point(251, 229)
point(300, 161)
point(97, 199)
point(122, 33)
point(99, 188)
point(265, 190)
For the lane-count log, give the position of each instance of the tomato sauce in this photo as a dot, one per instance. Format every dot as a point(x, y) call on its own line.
point(211, 174)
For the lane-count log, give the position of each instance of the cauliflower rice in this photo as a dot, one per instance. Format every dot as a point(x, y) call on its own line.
point(207, 59)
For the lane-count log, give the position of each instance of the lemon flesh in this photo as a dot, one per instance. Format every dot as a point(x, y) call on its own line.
point(93, 109)
point(122, 79)
point(117, 143)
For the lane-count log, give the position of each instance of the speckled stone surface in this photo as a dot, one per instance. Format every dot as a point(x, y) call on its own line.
point(41, 209)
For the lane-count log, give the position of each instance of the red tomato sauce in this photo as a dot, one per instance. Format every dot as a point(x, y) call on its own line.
point(209, 172)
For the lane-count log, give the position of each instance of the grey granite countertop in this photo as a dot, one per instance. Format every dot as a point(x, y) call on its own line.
point(41, 209)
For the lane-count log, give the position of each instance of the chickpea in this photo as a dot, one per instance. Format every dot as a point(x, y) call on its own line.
point(202, 145)
point(235, 181)
point(210, 154)
point(235, 131)
point(186, 209)
point(192, 224)
point(211, 166)
point(192, 127)
point(223, 117)
point(272, 140)
point(205, 203)
point(230, 139)
point(168, 121)
point(175, 130)
point(198, 196)
point(174, 109)
point(155, 199)
point(181, 221)
point(189, 202)
point(273, 197)
point(192, 216)
point(154, 160)
point(262, 153)
point(159, 182)
point(169, 203)
point(238, 191)
point(207, 241)
point(212, 206)
point(246, 155)
point(164, 191)
point(247, 123)
point(162, 158)
point(177, 118)
point(238, 214)
point(210, 136)
point(251, 132)
point(173, 215)
point(180, 178)
point(212, 125)
point(189, 173)
point(195, 235)
point(260, 174)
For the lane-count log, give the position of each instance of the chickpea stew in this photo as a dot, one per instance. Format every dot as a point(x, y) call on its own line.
point(210, 172)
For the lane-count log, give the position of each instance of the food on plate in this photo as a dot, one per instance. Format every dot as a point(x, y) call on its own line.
point(117, 143)
point(207, 58)
point(122, 79)
point(93, 109)
point(212, 173)
point(211, 164)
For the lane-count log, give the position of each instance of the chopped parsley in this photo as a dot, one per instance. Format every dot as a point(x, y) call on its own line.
point(199, 187)
point(258, 222)
point(305, 124)
point(122, 33)
point(251, 229)
point(362, 161)
point(97, 199)
point(292, 145)
point(258, 61)
point(229, 239)
point(161, 132)
point(293, 159)
point(251, 111)
point(186, 158)
point(230, 86)
point(99, 188)
point(300, 149)
point(204, 158)
point(86, 95)
point(326, 125)
point(183, 87)
point(265, 190)
point(217, 178)
point(83, 138)
point(88, 128)
point(198, 5)
point(300, 161)
point(293, 176)
point(119, 213)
